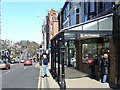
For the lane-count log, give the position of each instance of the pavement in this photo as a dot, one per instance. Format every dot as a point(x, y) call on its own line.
point(46, 82)
point(81, 81)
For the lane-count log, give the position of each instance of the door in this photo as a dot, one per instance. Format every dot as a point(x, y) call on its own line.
point(102, 47)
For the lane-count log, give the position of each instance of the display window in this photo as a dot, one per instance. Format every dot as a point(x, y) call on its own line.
point(92, 48)
point(89, 52)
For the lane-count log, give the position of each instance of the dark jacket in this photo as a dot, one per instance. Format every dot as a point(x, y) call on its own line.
point(45, 61)
point(104, 66)
point(92, 64)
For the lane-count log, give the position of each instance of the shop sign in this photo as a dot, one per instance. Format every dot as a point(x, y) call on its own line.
point(89, 35)
point(70, 36)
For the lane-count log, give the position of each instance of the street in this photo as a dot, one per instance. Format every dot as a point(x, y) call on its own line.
point(20, 76)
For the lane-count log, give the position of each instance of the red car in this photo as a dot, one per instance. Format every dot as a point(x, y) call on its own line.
point(4, 65)
point(27, 62)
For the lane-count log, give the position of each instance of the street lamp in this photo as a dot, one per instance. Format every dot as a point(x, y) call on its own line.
point(63, 83)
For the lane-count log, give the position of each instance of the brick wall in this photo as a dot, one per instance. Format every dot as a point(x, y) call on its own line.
point(112, 57)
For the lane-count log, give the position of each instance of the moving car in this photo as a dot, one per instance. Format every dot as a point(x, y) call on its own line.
point(22, 60)
point(12, 60)
point(4, 65)
point(28, 62)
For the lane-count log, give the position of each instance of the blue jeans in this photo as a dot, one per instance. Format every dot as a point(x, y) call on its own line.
point(104, 78)
point(45, 70)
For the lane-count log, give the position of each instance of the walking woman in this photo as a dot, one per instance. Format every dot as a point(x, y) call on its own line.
point(104, 67)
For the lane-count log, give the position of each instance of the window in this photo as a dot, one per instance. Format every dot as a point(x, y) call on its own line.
point(92, 48)
point(108, 5)
point(77, 10)
point(77, 19)
point(86, 7)
point(70, 6)
point(89, 52)
point(100, 7)
point(92, 6)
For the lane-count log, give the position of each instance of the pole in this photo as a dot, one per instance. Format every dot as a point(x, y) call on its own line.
point(63, 83)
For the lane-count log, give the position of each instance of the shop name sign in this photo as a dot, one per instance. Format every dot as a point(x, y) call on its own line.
point(89, 35)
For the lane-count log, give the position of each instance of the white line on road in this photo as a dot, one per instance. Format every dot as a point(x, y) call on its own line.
point(13, 69)
point(24, 67)
point(6, 72)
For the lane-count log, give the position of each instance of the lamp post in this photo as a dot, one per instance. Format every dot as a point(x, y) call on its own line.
point(63, 83)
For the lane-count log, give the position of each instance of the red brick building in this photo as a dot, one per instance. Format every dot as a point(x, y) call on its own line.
point(53, 23)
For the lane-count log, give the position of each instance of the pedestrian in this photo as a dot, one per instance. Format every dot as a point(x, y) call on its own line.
point(34, 59)
point(104, 67)
point(92, 68)
point(45, 71)
point(99, 72)
point(40, 61)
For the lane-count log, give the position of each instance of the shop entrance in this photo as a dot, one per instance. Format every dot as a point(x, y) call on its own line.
point(101, 49)
point(92, 49)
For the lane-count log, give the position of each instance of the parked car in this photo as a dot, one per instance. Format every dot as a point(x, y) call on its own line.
point(28, 62)
point(12, 60)
point(22, 60)
point(4, 65)
point(73, 61)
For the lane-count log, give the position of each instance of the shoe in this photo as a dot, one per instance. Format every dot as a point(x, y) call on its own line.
point(42, 76)
point(45, 75)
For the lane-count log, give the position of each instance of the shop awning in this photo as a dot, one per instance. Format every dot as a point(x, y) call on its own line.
point(98, 27)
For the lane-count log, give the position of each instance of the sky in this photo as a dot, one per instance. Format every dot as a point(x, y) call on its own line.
point(19, 20)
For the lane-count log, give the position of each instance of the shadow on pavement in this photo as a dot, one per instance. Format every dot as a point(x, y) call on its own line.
point(71, 73)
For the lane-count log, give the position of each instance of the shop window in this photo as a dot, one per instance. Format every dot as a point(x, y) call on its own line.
point(106, 24)
point(91, 26)
point(89, 52)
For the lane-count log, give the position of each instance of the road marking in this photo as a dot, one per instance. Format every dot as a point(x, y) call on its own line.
point(35, 65)
point(39, 79)
point(42, 83)
point(25, 67)
point(6, 72)
point(13, 69)
point(38, 64)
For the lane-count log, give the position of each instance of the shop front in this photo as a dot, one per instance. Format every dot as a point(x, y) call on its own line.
point(90, 39)
point(91, 49)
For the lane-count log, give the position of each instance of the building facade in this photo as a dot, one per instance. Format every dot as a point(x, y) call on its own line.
point(50, 27)
point(97, 28)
